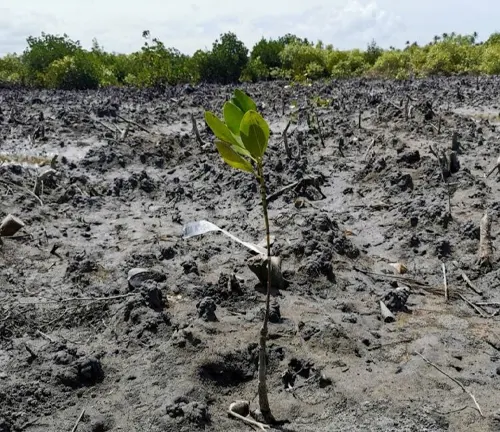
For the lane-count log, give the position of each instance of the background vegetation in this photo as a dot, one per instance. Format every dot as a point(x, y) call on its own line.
point(54, 61)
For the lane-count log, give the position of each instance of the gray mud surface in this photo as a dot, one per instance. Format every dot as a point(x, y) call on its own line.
point(172, 348)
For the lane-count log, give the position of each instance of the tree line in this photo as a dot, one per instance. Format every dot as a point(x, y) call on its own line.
point(57, 61)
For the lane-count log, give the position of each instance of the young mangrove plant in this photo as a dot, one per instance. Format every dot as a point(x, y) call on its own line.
point(241, 140)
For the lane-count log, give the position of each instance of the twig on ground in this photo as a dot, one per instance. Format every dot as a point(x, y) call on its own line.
point(454, 380)
point(473, 306)
point(390, 276)
point(133, 123)
point(103, 124)
point(496, 167)
point(78, 420)
point(76, 299)
point(45, 336)
point(23, 189)
point(67, 300)
point(450, 412)
point(377, 347)
point(467, 280)
point(29, 423)
point(306, 181)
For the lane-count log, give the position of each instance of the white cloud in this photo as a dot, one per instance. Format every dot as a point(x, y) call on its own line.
point(118, 24)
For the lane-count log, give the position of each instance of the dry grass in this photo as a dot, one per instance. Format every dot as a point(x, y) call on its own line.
point(25, 159)
point(486, 116)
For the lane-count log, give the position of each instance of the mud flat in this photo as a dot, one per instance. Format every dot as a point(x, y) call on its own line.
point(106, 310)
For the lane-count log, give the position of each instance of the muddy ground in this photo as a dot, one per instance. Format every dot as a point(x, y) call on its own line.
point(170, 349)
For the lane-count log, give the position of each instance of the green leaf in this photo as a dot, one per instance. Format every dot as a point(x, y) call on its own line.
point(232, 117)
point(243, 101)
point(221, 131)
point(232, 158)
point(219, 128)
point(254, 133)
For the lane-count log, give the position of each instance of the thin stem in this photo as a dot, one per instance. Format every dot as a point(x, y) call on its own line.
point(263, 397)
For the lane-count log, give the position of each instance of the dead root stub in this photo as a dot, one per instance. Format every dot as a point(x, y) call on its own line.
point(10, 226)
point(485, 243)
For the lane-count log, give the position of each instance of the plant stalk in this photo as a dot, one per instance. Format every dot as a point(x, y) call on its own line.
point(262, 390)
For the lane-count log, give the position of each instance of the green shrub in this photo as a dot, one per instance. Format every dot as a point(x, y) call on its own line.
point(351, 65)
point(43, 51)
point(269, 52)
point(160, 66)
point(315, 71)
point(372, 53)
point(494, 39)
point(225, 63)
point(255, 71)
point(11, 70)
point(59, 62)
point(296, 57)
point(392, 64)
point(74, 72)
point(490, 60)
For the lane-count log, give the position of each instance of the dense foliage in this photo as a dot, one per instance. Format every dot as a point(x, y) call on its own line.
point(55, 61)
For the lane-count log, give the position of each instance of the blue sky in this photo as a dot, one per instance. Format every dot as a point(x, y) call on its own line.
point(192, 24)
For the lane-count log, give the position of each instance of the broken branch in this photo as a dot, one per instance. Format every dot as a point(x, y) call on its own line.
point(454, 380)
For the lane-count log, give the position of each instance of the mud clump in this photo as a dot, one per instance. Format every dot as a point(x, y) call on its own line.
point(84, 371)
point(206, 309)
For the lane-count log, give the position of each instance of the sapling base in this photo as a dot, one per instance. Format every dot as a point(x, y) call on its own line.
point(258, 264)
point(263, 398)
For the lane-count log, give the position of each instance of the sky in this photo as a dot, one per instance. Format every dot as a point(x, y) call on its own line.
point(194, 24)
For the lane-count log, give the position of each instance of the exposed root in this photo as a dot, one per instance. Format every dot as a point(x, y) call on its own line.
point(254, 423)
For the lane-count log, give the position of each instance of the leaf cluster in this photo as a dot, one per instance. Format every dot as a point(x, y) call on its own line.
point(242, 135)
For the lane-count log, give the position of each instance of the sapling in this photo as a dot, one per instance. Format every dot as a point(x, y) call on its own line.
point(241, 140)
